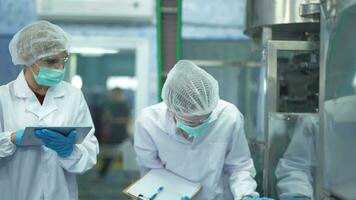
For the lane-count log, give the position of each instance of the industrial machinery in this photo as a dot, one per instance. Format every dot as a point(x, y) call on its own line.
point(336, 174)
point(308, 62)
point(286, 34)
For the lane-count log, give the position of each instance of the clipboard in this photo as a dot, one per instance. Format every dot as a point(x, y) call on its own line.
point(29, 138)
point(174, 186)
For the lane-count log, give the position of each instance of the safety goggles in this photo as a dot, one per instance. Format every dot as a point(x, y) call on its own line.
point(56, 59)
point(193, 121)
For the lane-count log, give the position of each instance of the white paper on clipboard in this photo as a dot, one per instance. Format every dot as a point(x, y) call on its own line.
point(29, 138)
point(174, 187)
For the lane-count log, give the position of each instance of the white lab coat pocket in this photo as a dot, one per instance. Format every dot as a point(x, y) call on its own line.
point(217, 153)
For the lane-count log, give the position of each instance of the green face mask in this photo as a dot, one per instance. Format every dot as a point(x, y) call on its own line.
point(48, 77)
point(193, 131)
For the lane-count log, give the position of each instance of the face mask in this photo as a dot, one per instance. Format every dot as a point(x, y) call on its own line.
point(48, 77)
point(193, 131)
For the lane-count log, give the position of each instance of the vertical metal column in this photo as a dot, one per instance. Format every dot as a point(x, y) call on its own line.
point(266, 36)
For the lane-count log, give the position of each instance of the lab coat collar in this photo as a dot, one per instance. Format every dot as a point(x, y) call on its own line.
point(22, 90)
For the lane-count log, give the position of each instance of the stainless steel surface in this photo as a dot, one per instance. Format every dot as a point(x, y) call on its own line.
point(324, 43)
point(283, 127)
point(272, 94)
point(266, 36)
point(280, 12)
point(337, 23)
point(279, 25)
point(310, 10)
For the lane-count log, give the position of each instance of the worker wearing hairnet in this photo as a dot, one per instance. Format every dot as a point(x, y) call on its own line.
point(296, 170)
point(195, 135)
point(38, 97)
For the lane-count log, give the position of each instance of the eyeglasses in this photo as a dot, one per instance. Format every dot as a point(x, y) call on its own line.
point(55, 61)
point(193, 121)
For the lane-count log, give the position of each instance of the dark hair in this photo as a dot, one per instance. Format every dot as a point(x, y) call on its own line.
point(117, 89)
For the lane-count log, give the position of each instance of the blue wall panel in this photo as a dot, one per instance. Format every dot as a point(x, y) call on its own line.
point(8, 71)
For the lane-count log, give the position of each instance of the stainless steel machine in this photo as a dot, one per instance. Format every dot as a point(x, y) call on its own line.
point(308, 58)
point(337, 163)
point(286, 34)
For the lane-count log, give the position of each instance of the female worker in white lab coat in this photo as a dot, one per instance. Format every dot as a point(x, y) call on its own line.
point(197, 136)
point(38, 97)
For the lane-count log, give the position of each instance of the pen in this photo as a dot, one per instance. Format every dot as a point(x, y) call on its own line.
point(160, 189)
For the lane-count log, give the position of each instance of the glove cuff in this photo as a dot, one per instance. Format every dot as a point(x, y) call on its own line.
point(19, 135)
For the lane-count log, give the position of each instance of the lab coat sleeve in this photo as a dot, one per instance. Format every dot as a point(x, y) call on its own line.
point(146, 151)
point(239, 165)
point(295, 170)
point(84, 155)
point(7, 148)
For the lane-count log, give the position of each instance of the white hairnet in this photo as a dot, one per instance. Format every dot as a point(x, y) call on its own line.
point(189, 90)
point(37, 40)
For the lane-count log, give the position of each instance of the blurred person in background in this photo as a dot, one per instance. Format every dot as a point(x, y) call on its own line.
point(115, 120)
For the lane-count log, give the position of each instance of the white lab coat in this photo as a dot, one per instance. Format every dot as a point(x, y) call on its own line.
point(37, 173)
point(296, 170)
point(222, 149)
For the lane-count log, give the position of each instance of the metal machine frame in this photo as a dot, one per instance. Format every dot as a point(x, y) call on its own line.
point(272, 48)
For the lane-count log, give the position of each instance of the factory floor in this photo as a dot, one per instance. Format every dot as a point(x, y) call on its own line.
point(93, 187)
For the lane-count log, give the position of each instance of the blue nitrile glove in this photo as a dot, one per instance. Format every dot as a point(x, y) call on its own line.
point(185, 198)
point(257, 198)
point(295, 198)
point(57, 142)
point(19, 135)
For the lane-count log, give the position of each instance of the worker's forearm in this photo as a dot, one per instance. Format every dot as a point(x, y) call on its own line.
point(7, 147)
